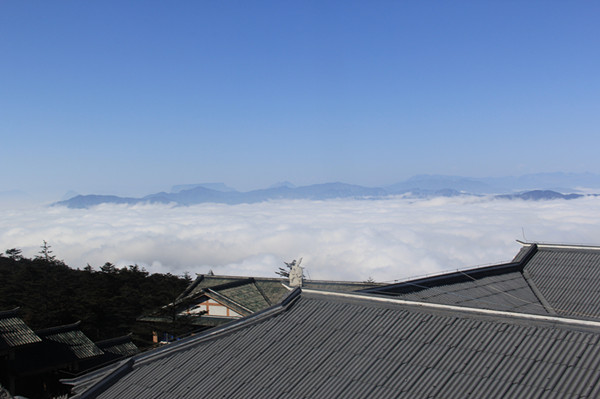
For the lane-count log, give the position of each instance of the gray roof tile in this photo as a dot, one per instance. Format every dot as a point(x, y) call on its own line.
point(244, 295)
point(568, 278)
point(14, 332)
point(325, 346)
point(542, 279)
point(71, 338)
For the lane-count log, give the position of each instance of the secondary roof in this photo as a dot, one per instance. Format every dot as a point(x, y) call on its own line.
point(542, 279)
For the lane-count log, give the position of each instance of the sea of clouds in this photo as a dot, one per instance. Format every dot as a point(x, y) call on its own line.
point(387, 240)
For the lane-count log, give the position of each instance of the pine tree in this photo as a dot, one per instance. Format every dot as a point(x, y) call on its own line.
point(14, 254)
point(45, 254)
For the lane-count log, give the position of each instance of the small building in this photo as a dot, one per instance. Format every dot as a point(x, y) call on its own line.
point(33, 362)
point(212, 300)
point(15, 335)
point(113, 349)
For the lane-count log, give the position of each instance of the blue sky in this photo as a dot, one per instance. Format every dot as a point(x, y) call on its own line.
point(132, 97)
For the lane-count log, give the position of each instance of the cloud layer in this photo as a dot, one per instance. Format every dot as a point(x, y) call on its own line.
point(386, 240)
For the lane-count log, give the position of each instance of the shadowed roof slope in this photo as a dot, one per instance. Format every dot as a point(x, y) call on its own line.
point(14, 332)
point(328, 345)
point(498, 287)
point(113, 349)
point(61, 347)
point(121, 346)
point(72, 339)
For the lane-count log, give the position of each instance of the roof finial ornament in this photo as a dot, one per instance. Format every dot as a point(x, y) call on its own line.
point(296, 273)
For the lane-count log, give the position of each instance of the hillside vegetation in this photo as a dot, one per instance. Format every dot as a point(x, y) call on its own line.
point(107, 302)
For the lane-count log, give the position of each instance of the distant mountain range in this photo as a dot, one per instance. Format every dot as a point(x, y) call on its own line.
point(539, 195)
point(560, 182)
point(528, 187)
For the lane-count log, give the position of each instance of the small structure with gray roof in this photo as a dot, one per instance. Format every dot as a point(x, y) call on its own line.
point(14, 332)
point(31, 362)
point(15, 335)
point(212, 300)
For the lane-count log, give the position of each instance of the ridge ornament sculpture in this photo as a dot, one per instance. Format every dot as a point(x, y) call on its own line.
point(296, 273)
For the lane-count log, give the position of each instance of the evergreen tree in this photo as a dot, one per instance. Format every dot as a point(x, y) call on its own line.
point(14, 254)
point(107, 302)
point(46, 253)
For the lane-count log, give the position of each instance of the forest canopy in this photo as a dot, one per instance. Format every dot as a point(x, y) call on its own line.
point(107, 302)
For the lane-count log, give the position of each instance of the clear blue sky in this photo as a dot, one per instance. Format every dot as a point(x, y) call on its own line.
point(131, 97)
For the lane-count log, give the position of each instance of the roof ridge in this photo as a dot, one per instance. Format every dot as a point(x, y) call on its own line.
point(565, 246)
point(224, 276)
point(536, 291)
point(191, 286)
point(9, 313)
point(443, 278)
point(122, 338)
point(231, 284)
point(449, 277)
point(280, 279)
point(261, 291)
point(59, 329)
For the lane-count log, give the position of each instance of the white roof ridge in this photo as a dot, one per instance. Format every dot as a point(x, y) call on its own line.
point(565, 246)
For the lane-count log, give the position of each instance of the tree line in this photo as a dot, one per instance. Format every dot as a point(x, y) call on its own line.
point(107, 301)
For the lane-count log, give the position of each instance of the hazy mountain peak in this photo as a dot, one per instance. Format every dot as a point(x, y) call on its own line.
point(285, 184)
point(69, 194)
point(221, 187)
point(441, 182)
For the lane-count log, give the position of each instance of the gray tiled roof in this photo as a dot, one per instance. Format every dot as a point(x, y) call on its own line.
point(14, 332)
point(62, 347)
point(497, 287)
point(327, 345)
point(244, 295)
point(248, 295)
point(114, 349)
point(508, 291)
point(569, 279)
point(206, 281)
point(72, 339)
point(120, 346)
point(271, 288)
point(542, 279)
